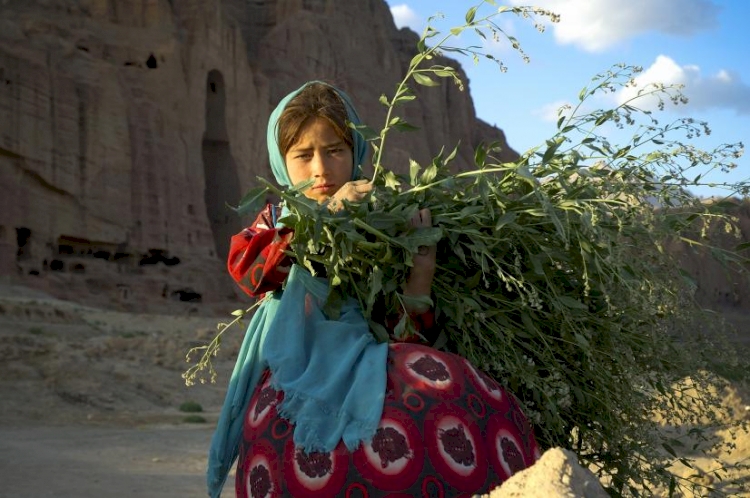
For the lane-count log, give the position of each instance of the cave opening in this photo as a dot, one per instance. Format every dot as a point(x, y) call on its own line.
point(220, 170)
point(23, 235)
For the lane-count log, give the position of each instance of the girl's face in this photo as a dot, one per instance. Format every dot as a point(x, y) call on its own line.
point(320, 155)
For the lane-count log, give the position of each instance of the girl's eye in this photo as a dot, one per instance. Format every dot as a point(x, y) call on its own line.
point(335, 150)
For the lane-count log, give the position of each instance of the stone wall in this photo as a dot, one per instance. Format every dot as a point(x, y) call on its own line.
point(127, 125)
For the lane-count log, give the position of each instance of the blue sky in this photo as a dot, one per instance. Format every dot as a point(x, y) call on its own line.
point(703, 44)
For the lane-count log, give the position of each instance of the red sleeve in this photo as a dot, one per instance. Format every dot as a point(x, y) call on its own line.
point(257, 259)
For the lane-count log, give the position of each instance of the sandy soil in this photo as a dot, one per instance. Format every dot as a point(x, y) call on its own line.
point(90, 402)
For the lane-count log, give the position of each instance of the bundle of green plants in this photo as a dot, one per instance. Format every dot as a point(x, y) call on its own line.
point(552, 274)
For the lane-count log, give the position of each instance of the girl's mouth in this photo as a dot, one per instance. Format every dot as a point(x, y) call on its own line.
point(325, 188)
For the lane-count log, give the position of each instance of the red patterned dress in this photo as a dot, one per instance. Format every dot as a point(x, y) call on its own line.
point(447, 429)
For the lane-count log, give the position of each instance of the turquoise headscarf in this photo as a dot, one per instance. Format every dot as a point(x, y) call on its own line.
point(278, 165)
point(332, 372)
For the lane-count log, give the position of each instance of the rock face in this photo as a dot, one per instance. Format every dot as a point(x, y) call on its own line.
point(718, 287)
point(126, 125)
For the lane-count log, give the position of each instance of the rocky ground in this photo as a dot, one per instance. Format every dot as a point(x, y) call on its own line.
point(91, 406)
point(90, 400)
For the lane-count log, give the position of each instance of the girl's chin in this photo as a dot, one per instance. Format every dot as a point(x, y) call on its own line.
point(320, 199)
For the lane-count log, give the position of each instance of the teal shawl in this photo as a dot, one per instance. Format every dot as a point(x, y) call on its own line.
point(332, 372)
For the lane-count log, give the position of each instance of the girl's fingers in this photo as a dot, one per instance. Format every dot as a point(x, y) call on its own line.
point(358, 186)
point(426, 216)
point(422, 218)
point(363, 187)
point(353, 191)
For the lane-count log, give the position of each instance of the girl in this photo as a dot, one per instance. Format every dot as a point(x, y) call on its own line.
point(315, 406)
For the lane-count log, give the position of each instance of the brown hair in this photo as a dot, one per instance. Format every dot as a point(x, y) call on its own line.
point(316, 100)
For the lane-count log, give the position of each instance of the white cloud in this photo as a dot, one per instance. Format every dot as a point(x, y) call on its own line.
point(405, 16)
point(595, 25)
point(550, 113)
point(723, 90)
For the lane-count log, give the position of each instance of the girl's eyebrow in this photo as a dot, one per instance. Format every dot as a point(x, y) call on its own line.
point(325, 146)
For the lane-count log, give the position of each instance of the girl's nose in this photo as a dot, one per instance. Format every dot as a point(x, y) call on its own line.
point(318, 166)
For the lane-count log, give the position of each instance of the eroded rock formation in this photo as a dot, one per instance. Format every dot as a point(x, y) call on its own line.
point(718, 285)
point(127, 125)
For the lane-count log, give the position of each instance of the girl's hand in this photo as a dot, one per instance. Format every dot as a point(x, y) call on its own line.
point(354, 191)
point(419, 282)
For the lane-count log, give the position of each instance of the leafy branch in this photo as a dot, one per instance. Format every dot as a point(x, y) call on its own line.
point(211, 350)
point(554, 271)
point(483, 26)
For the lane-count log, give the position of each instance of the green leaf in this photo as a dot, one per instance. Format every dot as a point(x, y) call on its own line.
point(445, 73)
point(582, 342)
point(417, 302)
point(380, 332)
point(299, 188)
point(400, 328)
point(366, 132)
point(429, 173)
point(383, 221)
point(376, 284)
point(528, 326)
point(424, 80)
point(452, 155)
point(523, 171)
point(414, 168)
point(404, 126)
point(470, 15)
point(572, 303)
point(428, 236)
point(603, 118)
point(391, 180)
point(480, 155)
point(333, 304)
point(252, 202)
point(622, 152)
point(669, 449)
point(686, 462)
point(404, 98)
point(505, 219)
point(552, 146)
point(441, 340)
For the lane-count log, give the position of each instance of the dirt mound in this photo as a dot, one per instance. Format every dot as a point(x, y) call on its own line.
point(556, 475)
point(88, 364)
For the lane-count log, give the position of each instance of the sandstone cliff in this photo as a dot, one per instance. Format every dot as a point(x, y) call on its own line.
point(719, 286)
point(126, 125)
